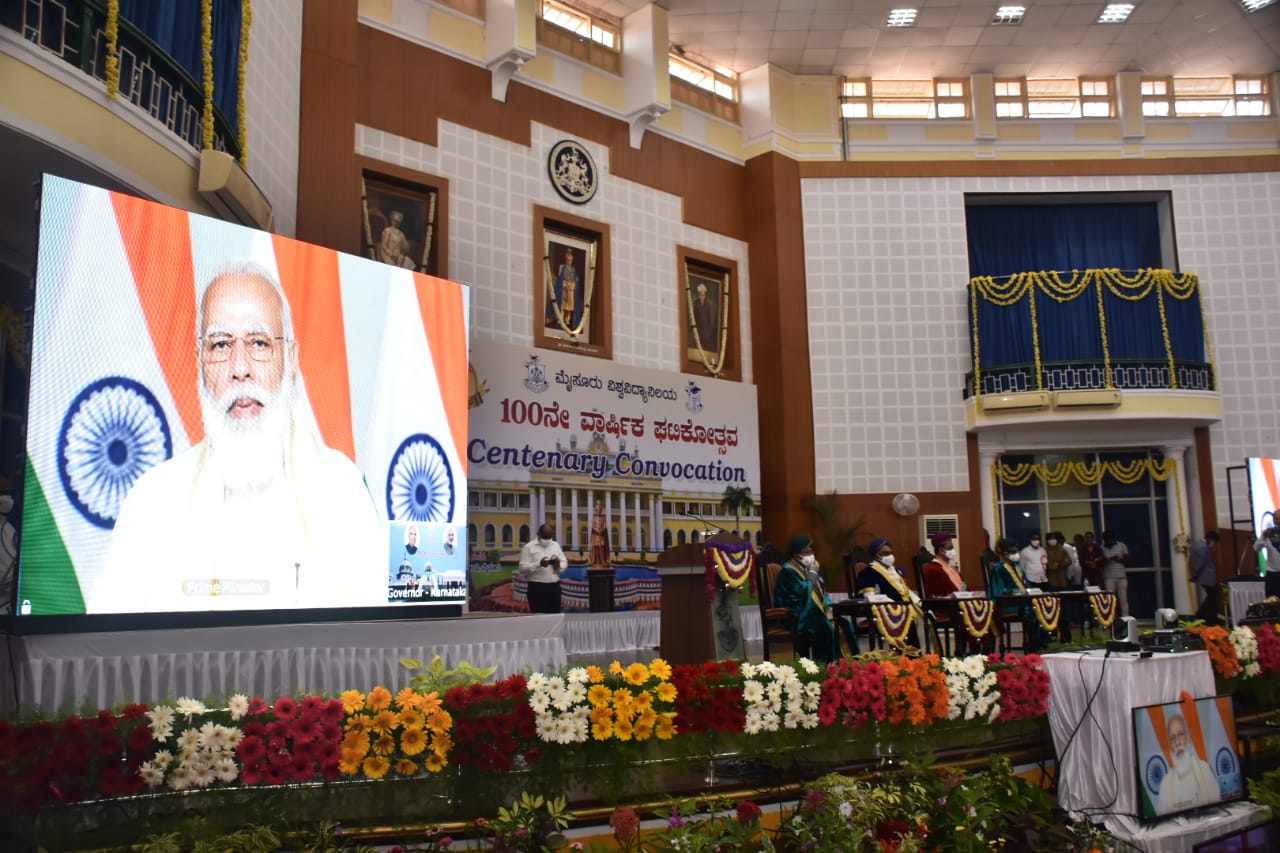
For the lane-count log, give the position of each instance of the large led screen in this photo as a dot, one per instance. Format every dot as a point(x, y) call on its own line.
point(225, 419)
point(1264, 492)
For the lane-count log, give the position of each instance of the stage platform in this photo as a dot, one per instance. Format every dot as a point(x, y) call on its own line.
point(62, 672)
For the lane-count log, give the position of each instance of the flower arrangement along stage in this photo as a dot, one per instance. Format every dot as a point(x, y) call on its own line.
point(1246, 662)
point(592, 733)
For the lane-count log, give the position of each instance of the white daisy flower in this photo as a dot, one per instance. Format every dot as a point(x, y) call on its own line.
point(188, 706)
point(238, 705)
point(180, 779)
point(153, 776)
point(225, 769)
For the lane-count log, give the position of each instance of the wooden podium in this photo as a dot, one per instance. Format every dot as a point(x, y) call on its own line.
point(688, 630)
point(685, 624)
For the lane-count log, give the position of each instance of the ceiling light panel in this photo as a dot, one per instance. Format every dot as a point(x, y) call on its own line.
point(1009, 15)
point(1255, 5)
point(1115, 13)
point(902, 18)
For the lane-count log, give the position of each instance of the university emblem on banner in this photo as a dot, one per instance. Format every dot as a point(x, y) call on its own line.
point(535, 377)
point(572, 172)
point(1048, 609)
point(113, 432)
point(693, 402)
point(420, 481)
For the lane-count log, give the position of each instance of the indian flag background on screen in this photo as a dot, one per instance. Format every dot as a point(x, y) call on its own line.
point(114, 377)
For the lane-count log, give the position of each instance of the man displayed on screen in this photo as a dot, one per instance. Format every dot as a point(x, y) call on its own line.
point(1190, 782)
point(260, 513)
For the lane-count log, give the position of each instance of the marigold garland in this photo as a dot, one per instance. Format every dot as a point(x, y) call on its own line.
point(242, 130)
point(206, 59)
point(1104, 606)
point(1048, 610)
point(112, 34)
point(978, 615)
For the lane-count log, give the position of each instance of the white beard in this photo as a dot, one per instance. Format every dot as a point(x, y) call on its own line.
point(248, 454)
point(1182, 763)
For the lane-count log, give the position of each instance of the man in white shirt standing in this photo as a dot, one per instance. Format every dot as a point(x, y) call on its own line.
point(1034, 562)
point(1114, 571)
point(541, 561)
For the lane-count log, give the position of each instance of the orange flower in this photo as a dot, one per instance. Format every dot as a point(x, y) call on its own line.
point(407, 698)
point(379, 699)
point(602, 712)
point(384, 745)
point(352, 701)
point(356, 742)
point(595, 674)
point(411, 718)
point(375, 767)
point(615, 668)
point(405, 767)
point(441, 745)
point(430, 703)
point(359, 723)
point(434, 763)
point(623, 730)
point(385, 722)
point(349, 763)
point(413, 741)
point(602, 729)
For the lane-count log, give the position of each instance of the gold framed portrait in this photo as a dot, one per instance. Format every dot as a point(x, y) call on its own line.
point(403, 219)
point(708, 311)
point(571, 284)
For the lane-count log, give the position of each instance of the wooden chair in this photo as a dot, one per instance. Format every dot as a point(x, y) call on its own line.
point(940, 633)
point(777, 624)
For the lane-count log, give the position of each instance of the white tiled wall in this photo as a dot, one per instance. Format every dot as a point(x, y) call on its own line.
point(886, 268)
point(271, 103)
point(493, 186)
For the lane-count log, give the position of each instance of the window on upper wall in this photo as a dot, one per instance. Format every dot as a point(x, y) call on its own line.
point(1011, 99)
point(1207, 97)
point(908, 99)
point(588, 36)
point(1097, 97)
point(711, 90)
point(1054, 97)
point(1157, 97)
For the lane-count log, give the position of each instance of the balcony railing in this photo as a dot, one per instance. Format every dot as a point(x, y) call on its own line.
point(75, 32)
point(1088, 329)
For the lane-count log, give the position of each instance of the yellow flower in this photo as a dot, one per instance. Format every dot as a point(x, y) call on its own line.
point(622, 696)
point(411, 718)
point(666, 692)
point(666, 727)
point(385, 722)
point(413, 741)
point(595, 674)
point(660, 669)
point(384, 745)
point(647, 718)
point(352, 701)
point(379, 699)
point(407, 698)
point(434, 763)
point(600, 713)
point(359, 723)
point(376, 767)
point(405, 767)
point(643, 732)
point(599, 695)
point(602, 729)
point(442, 744)
point(637, 673)
point(643, 702)
point(623, 730)
point(356, 742)
point(615, 668)
point(349, 763)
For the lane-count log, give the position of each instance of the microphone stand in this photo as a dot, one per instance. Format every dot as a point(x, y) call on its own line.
point(706, 523)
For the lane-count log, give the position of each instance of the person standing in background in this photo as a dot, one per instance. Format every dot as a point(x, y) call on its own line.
point(1057, 568)
point(541, 561)
point(1091, 560)
point(1204, 574)
point(1115, 575)
point(1034, 561)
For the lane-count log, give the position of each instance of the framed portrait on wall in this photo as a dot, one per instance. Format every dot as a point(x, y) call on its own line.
point(571, 284)
point(709, 340)
point(403, 219)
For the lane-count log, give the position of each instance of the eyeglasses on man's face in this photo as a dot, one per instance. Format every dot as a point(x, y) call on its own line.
point(260, 346)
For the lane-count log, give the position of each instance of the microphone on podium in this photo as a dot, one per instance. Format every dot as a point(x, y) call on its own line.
point(706, 523)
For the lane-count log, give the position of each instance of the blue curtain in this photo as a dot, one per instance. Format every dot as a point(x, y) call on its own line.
point(174, 26)
point(1069, 331)
point(1004, 333)
point(1007, 239)
point(1186, 328)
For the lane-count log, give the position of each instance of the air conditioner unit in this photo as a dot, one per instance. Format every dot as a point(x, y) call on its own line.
point(1087, 397)
point(1014, 401)
point(231, 192)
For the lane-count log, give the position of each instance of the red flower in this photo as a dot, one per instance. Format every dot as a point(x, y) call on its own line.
point(748, 812)
point(275, 775)
point(251, 749)
point(625, 822)
point(333, 712)
point(139, 739)
point(254, 729)
point(312, 704)
point(104, 723)
point(285, 708)
point(135, 711)
point(257, 707)
point(305, 728)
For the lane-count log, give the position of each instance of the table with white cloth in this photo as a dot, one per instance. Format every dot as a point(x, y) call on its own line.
point(55, 672)
point(1091, 700)
point(1242, 591)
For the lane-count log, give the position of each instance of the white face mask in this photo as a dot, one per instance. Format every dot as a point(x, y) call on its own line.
point(6, 504)
point(1035, 543)
point(809, 561)
point(1014, 557)
point(1053, 542)
point(543, 541)
point(949, 553)
point(887, 559)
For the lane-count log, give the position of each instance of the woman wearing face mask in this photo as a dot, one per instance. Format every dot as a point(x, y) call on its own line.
point(1006, 579)
point(800, 589)
point(942, 578)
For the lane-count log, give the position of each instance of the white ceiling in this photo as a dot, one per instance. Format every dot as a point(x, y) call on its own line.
point(955, 38)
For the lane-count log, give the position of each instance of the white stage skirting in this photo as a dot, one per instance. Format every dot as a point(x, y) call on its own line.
point(62, 672)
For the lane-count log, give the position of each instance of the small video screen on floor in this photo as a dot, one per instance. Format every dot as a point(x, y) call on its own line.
point(1186, 756)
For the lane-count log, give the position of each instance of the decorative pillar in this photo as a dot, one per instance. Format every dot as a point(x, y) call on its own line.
point(986, 493)
point(639, 537)
point(1179, 518)
point(573, 510)
point(622, 523)
point(534, 521)
point(559, 511)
